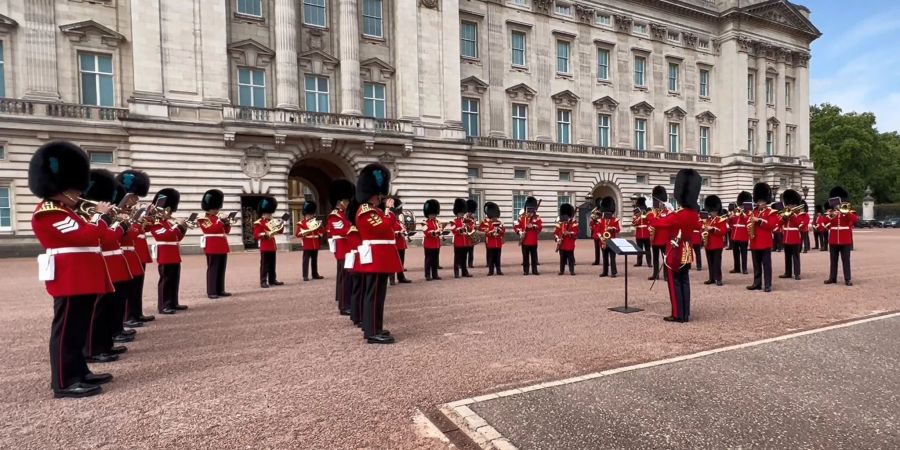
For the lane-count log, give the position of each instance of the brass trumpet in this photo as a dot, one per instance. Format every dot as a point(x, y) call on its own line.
point(314, 226)
point(87, 208)
point(786, 213)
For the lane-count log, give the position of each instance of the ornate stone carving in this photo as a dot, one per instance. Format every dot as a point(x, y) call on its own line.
point(326, 143)
point(521, 91)
point(623, 22)
point(690, 39)
point(7, 24)
point(229, 138)
point(374, 69)
point(315, 39)
point(251, 53)
point(745, 44)
point(658, 31)
point(76, 32)
point(368, 146)
point(431, 4)
point(473, 84)
point(642, 109)
point(706, 118)
point(565, 98)
point(407, 149)
point(783, 54)
point(318, 62)
point(585, 14)
point(676, 113)
point(606, 104)
point(390, 161)
point(802, 59)
point(280, 139)
point(254, 163)
point(542, 6)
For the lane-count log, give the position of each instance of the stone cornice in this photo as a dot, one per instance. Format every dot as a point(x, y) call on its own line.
point(772, 51)
point(77, 31)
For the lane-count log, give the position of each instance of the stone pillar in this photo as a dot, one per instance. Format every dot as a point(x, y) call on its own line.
point(147, 59)
point(349, 43)
point(780, 104)
point(40, 51)
point(214, 39)
point(761, 107)
point(801, 99)
point(868, 212)
point(496, 93)
point(450, 32)
point(287, 87)
point(406, 32)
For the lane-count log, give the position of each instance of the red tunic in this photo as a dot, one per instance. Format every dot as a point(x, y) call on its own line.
point(660, 236)
point(432, 238)
point(376, 230)
point(680, 223)
point(215, 233)
point(493, 233)
point(261, 234)
point(58, 228)
point(116, 263)
point(792, 230)
point(840, 228)
point(135, 264)
point(353, 240)
point(141, 246)
point(821, 224)
point(470, 226)
point(641, 227)
point(610, 226)
point(337, 228)
point(461, 228)
point(566, 234)
point(530, 227)
point(311, 240)
point(167, 238)
point(697, 235)
point(717, 229)
point(739, 228)
point(763, 239)
point(400, 237)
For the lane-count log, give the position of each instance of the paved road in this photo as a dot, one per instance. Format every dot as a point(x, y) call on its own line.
point(835, 389)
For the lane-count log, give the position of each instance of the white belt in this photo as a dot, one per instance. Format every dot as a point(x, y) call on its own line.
point(840, 228)
point(141, 236)
point(740, 225)
point(112, 252)
point(337, 237)
point(380, 242)
point(642, 226)
point(166, 243)
point(129, 249)
point(791, 229)
point(222, 235)
point(68, 250)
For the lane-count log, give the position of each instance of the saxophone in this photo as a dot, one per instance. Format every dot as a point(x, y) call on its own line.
point(705, 234)
point(751, 225)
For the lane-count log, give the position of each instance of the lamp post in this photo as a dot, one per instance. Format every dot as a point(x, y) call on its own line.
point(805, 190)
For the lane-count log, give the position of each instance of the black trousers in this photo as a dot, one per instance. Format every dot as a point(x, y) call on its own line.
point(400, 276)
point(215, 273)
point(493, 261)
point(762, 268)
point(597, 252)
point(714, 264)
point(792, 260)
point(354, 283)
point(842, 251)
point(432, 260)
point(823, 241)
point(739, 252)
point(169, 280)
point(267, 263)
point(118, 308)
point(310, 257)
point(679, 282)
point(471, 257)
point(567, 258)
point(134, 303)
point(804, 239)
point(646, 248)
point(778, 241)
point(529, 258)
point(339, 284)
point(659, 254)
point(68, 333)
point(609, 261)
point(728, 241)
point(698, 256)
point(460, 255)
point(816, 238)
point(99, 332)
point(373, 303)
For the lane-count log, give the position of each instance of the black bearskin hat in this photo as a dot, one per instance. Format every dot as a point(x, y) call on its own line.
point(659, 193)
point(805, 206)
point(172, 197)
point(608, 205)
point(641, 203)
point(687, 188)
point(212, 199)
point(120, 194)
point(102, 187)
point(310, 207)
point(374, 179)
point(838, 191)
point(340, 190)
point(398, 204)
point(531, 203)
point(491, 210)
point(459, 206)
point(762, 193)
point(819, 209)
point(267, 205)
point(431, 207)
point(57, 167)
point(352, 208)
point(712, 203)
point(597, 202)
point(791, 197)
point(471, 206)
point(566, 211)
point(744, 197)
point(135, 182)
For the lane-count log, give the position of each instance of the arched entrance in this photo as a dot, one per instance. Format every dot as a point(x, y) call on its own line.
point(608, 190)
point(309, 180)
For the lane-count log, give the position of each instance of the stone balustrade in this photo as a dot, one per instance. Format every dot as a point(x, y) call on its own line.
point(61, 110)
point(283, 117)
point(580, 149)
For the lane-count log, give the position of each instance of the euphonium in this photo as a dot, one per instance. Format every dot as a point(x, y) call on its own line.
point(845, 208)
point(313, 224)
point(275, 226)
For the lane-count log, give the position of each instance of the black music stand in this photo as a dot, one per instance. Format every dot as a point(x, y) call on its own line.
point(624, 247)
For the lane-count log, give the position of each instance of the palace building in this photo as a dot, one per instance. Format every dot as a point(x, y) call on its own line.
point(495, 100)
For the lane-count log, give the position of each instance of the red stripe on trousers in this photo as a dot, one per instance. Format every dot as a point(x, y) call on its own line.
point(672, 299)
point(91, 328)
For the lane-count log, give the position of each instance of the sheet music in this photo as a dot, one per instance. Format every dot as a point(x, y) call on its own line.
point(624, 246)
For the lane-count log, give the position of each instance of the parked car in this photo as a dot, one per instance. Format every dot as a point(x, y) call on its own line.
point(891, 222)
point(868, 224)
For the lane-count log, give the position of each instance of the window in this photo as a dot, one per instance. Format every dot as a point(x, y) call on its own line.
point(519, 2)
point(470, 116)
point(517, 43)
point(373, 100)
point(564, 126)
point(96, 79)
point(2, 152)
point(101, 157)
point(770, 143)
point(562, 199)
point(640, 179)
point(674, 129)
point(317, 94)
point(565, 175)
point(640, 134)
point(520, 121)
point(750, 140)
point(477, 196)
point(704, 181)
point(751, 94)
point(250, 7)
point(603, 64)
point(770, 91)
point(603, 128)
point(468, 36)
point(520, 174)
point(2, 74)
point(563, 9)
point(251, 87)
point(787, 93)
point(704, 44)
point(787, 143)
point(673, 36)
point(704, 140)
point(372, 16)
point(518, 202)
point(314, 12)
point(673, 77)
point(639, 28)
point(474, 173)
point(604, 20)
point(639, 63)
point(562, 56)
point(5, 209)
point(704, 83)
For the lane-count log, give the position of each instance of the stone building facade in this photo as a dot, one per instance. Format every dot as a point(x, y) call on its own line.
point(492, 99)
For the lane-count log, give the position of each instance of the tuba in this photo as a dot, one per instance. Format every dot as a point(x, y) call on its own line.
point(314, 225)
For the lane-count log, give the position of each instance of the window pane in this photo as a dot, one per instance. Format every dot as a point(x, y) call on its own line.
point(105, 63)
point(106, 90)
point(603, 64)
point(259, 78)
point(101, 157)
point(87, 62)
point(323, 103)
point(88, 89)
point(5, 221)
point(259, 97)
point(244, 96)
point(243, 76)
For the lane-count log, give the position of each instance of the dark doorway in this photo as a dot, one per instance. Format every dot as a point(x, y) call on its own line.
point(309, 180)
point(584, 217)
point(248, 216)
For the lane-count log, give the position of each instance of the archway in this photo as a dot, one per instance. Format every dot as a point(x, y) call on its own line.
point(309, 180)
point(607, 190)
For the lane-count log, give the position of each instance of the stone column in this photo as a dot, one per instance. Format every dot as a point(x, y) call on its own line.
point(452, 99)
point(496, 93)
point(215, 66)
point(40, 51)
point(761, 108)
point(147, 58)
point(349, 42)
point(287, 87)
point(780, 105)
point(406, 36)
point(801, 99)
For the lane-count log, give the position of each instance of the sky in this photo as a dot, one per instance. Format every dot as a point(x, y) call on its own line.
point(856, 63)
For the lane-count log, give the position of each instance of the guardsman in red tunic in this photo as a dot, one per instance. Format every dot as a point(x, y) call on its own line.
point(136, 183)
point(168, 234)
point(356, 288)
point(593, 224)
point(310, 230)
point(804, 221)
point(402, 234)
point(822, 224)
point(714, 229)
point(461, 234)
point(761, 221)
point(697, 245)
point(566, 233)
point(494, 232)
point(336, 228)
point(739, 237)
point(214, 242)
point(528, 227)
point(265, 230)
point(641, 225)
point(659, 239)
point(432, 239)
point(378, 257)
point(841, 221)
point(73, 269)
point(793, 228)
point(608, 228)
point(471, 210)
point(680, 225)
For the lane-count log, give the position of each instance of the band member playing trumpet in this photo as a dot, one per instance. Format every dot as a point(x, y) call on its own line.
point(595, 234)
point(461, 234)
point(168, 233)
point(641, 226)
point(494, 232)
point(528, 227)
point(214, 242)
point(265, 230)
point(841, 220)
point(401, 234)
point(793, 227)
point(697, 245)
point(822, 223)
point(309, 230)
point(338, 225)
point(713, 235)
point(566, 234)
point(471, 209)
point(137, 183)
point(608, 228)
point(761, 221)
point(739, 237)
point(432, 238)
point(805, 220)
point(659, 239)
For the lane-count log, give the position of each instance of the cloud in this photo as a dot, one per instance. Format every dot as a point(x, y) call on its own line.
point(864, 32)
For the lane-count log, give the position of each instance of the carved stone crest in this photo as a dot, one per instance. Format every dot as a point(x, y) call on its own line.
point(658, 31)
point(254, 163)
point(542, 6)
point(432, 4)
point(690, 39)
point(585, 14)
point(623, 22)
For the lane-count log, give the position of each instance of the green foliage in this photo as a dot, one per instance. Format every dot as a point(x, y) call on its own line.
point(848, 150)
